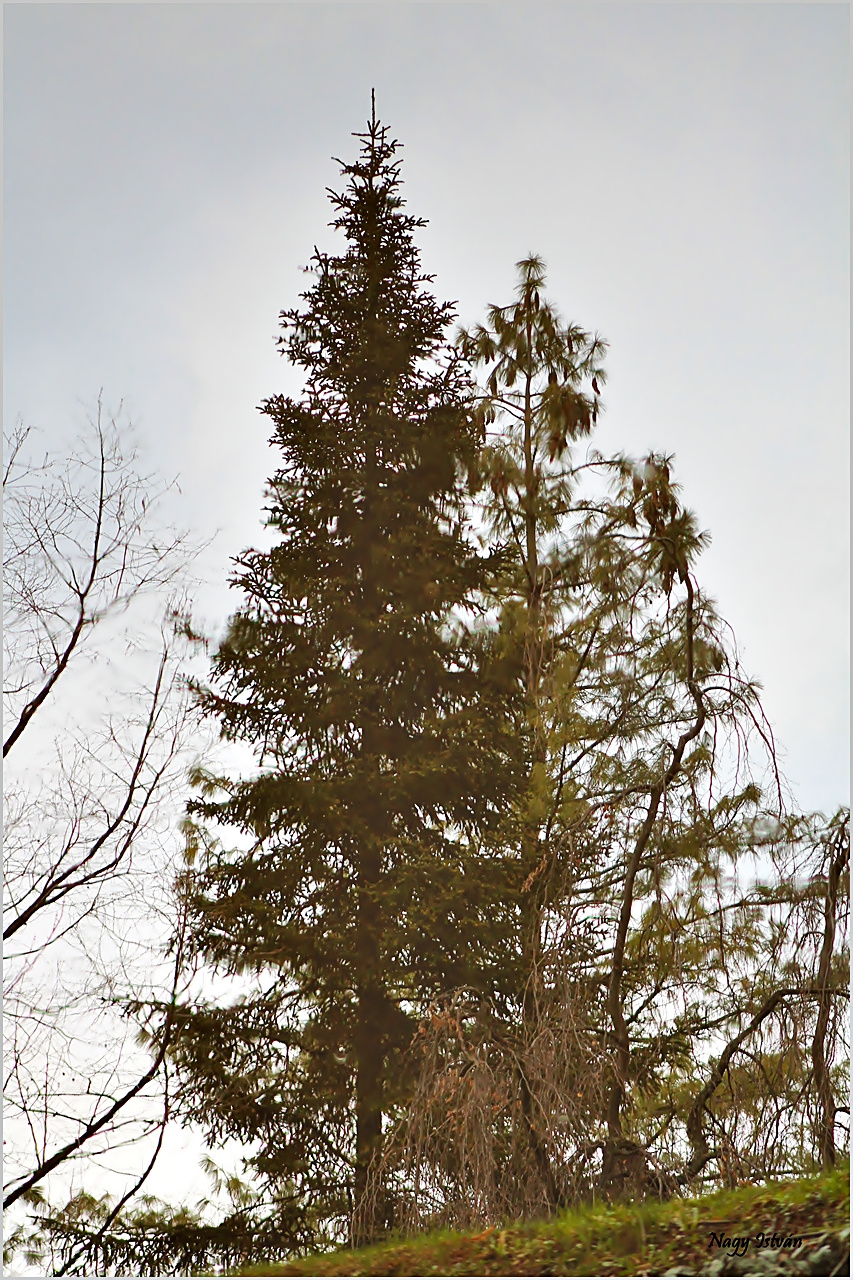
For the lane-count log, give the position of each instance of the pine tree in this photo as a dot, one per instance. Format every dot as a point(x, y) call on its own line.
point(613, 665)
point(349, 673)
point(543, 383)
point(639, 800)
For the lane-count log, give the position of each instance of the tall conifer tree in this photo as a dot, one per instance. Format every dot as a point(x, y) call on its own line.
point(537, 394)
point(344, 671)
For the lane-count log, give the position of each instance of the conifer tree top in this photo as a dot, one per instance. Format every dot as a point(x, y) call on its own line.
point(384, 387)
point(369, 320)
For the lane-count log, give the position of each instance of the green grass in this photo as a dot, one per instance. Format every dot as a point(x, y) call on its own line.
point(636, 1239)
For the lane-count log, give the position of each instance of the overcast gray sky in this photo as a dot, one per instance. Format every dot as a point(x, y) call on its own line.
point(683, 169)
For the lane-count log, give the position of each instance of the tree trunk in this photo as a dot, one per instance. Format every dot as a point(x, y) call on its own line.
point(530, 923)
point(614, 1148)
point(368, 1204)
point(369, 1037)
point(823, 1085)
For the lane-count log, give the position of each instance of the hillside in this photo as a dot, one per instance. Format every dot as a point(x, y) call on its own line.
point(800, 1228)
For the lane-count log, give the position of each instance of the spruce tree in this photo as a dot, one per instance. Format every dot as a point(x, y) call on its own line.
point(354, 895)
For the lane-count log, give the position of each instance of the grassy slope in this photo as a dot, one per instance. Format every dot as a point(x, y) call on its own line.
point(631, 1239)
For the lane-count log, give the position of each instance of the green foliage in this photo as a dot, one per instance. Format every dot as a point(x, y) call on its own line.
point(92, 1236)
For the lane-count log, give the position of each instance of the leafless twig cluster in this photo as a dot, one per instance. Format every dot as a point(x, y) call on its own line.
point(97, 730)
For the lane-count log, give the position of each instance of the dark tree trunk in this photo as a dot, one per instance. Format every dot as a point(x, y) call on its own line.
point(826, 1126)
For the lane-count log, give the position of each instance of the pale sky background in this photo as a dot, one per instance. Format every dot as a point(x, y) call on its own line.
point(682, 168)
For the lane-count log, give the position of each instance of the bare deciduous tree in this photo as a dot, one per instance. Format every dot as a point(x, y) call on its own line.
point(97, 732)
